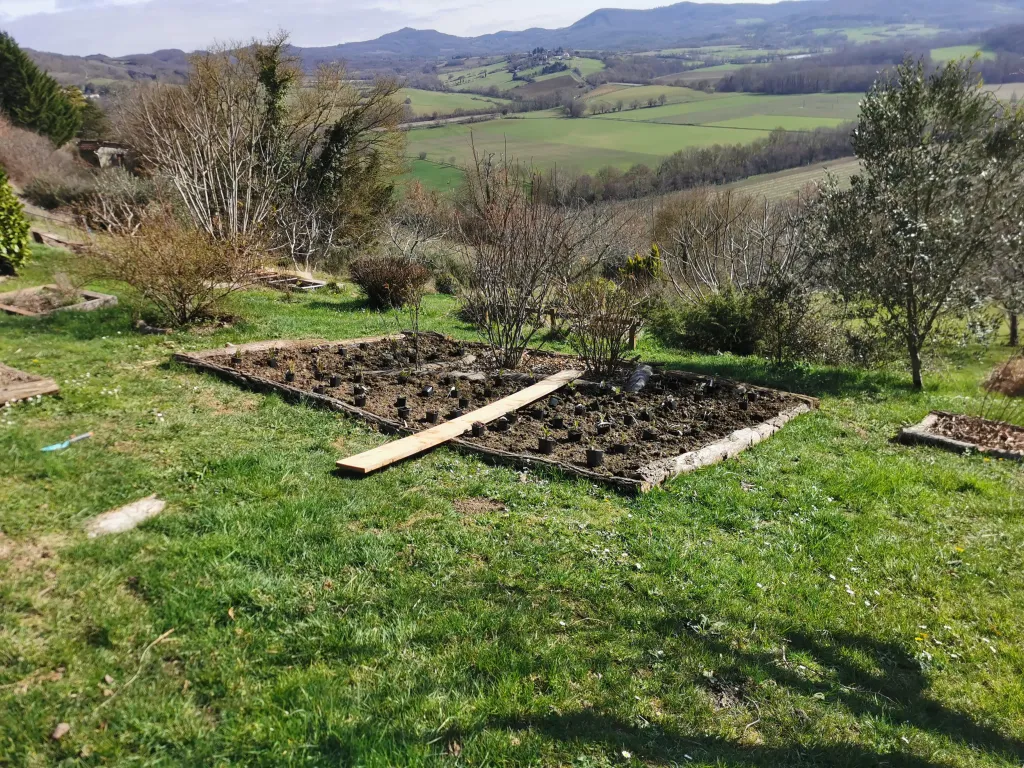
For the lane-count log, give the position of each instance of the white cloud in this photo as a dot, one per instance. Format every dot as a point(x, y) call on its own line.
point(119, 27)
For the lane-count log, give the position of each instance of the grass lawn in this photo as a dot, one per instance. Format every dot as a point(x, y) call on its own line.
point(829, 598)
point(443, 104)
point(433, 174)
point(960, 52)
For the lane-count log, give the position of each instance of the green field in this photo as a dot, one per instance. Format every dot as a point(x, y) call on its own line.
point(612, 93)
point(425, 103)
point(960, 52)
point(827, 599)
point(623, 139)
point(497, 75)
point(438, 175)
point(786, 184)
point(879, 33)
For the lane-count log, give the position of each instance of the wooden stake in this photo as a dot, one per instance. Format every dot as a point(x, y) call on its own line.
point(390, 453)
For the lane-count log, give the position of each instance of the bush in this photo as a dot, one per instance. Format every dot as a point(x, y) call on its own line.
point(25, 155)
point(603, 317)
point(119, 201)
point(450, 270)
point(54, 190)
point(183, 273)
point(13, 230)
point(389, 282)
point(722, 322)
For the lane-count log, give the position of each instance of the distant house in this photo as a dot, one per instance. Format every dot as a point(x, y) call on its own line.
point(103, 154)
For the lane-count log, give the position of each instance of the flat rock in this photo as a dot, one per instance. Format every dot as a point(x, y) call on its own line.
point(125, 518)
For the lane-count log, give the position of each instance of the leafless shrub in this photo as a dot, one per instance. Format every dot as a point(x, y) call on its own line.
point(524, 252)
point(119, 202)
point(603, 318)
point(390, 281)
point(184, 273)
point(26, 155)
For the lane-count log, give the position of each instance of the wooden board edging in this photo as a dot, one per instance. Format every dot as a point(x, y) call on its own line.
point(93, 300)
point(23, 390)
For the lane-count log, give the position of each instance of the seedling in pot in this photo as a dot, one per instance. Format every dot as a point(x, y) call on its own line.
point(453, 393)
point(575, 433)
point(501, 424)
point(620, 449)
point(744, 404)
point(579, 410)
point(319, 389)
point(512, 417)
point(669, 404)
point(363, 345)
point(358, 389)
point(558, 422)
point(651, 433)
point(432, 417)
point(554, 401)
point(595, 458)
point(456, 413)
point(403, 377)
point(546, 444)
point(360, 401)
point(236, 359)
point(488, 392)
point(404, 412)
point(318, 370)
point(753, 396)
point(604, 427)
point(357, 377)
point(539, 413)
point(478, 429)
point(629, 419)
point(617, 395)
point(335, 380)
point(272, 360)
point(645, 415)
point(289, 375)
point(341, 351)
point(427, 391)
point(463, 402)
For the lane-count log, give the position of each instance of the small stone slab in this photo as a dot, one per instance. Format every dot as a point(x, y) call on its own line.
point(125, 518)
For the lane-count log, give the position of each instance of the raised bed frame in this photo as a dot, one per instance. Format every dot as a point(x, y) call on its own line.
point(23, 390)
point(92, 300)
point(651, 475)
point(922, 434)
point(283, 281)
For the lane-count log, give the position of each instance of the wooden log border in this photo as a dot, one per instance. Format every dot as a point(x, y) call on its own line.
point(23, 390)
point(93, 300)
point(648, 477)
point(922, 434)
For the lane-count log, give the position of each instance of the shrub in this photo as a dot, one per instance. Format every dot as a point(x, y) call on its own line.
point(183, 273)
point(55, 190)
point(603, 317)
point(721, 322)
point(119, 201)
point(25, 155)
point(13, 230)
point(389, 282)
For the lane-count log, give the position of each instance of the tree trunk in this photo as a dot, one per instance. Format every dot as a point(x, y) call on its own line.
point(915, 364)
point(1014, 330)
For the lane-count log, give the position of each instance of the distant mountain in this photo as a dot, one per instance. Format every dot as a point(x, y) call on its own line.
point(608, 29)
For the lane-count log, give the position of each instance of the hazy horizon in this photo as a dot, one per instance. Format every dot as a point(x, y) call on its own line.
point(121, 27)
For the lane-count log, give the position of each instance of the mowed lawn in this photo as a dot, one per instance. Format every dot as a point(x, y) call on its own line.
point(830, 598)
point(443, 103)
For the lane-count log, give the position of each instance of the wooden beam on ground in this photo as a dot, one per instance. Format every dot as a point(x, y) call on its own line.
point(30, 386)
point(390, 453)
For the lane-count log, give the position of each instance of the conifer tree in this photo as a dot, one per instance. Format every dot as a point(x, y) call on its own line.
point(33, 99)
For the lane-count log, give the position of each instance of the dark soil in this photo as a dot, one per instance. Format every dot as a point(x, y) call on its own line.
point(987, 435)
point(10, 376)
point(671, 416)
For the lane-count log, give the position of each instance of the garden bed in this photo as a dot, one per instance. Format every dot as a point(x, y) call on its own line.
point(283, 281)
point(17, 385)
point(678, 422)
point(46, 299)
point(967, 434)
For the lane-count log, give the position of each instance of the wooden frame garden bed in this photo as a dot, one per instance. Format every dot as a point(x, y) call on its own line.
point(927, 433)
point(284, 281)
point(222, 362)
point(17, 385)
point(91, 300)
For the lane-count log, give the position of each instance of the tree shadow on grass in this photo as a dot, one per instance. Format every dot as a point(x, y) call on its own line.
point(80, 326)
point(351, 304)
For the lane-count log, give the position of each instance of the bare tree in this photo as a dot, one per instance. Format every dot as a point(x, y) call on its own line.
point(524, 252)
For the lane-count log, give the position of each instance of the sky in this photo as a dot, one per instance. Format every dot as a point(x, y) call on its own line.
point(120, 27)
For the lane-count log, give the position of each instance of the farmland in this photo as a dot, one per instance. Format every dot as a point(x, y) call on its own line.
point(784, 184)
point(960, 52)
point(879, 33)
point(625, 138)
point(442, 103)
point(496, 75)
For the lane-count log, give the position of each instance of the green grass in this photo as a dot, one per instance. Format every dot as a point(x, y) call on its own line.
point(960, 52)
point(438, 174)
point(878, 33)
point(484, 77)
point(326, 621)
point(752, 110)
point(788, 183)
point(610, 94)
point(443, 104)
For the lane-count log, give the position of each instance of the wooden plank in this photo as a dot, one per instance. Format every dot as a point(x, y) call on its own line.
point(378, 458)
point(23, 390)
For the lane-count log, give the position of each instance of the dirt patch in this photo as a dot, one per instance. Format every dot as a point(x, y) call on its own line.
point(477, 505)
point(14, 376)
point(724, 694)
point(23, 556)
point(986, 435)
point(41, 301)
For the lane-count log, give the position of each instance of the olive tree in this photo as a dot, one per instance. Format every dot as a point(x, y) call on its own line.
point(908, 242)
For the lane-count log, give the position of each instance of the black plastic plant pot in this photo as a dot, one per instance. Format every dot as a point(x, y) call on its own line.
point(360, 401)
point(358, 377)
point(403, 379)
point(358, 389)
point(511, 417)
point(558, 422)
point(427, 391)
point(619, 397)
point(669, 404)
point(539, 414)
point(453, 393)
point(488, 392)
point(698, 395)
point(620, 449)
point(289, 376)
point(272, 362)
point(432, 417)
point(650, 435)
point(645, 415)
point(629, 419)
point(335, 380)
point(319, 389)
point(404, 412)
point(595, 458)
point(235, 362)
point(554, 402)
point(580, 409)
point(744, 404)
point(402, 401)
point(501, 424)
point(463, 402)
point(604, 428)
point(457, 413)
point(478, 429)
point(575, 435)
point(752, 396)
point(546, 446)
point(341, 352)
point(364, 345)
